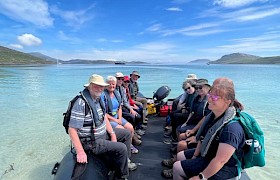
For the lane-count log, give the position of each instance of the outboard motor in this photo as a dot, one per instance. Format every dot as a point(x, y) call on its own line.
point(161, 93)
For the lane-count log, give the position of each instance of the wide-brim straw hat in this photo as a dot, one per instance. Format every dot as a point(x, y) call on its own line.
point(96, 79)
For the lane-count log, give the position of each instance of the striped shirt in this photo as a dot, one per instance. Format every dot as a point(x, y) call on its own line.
point(83, 123)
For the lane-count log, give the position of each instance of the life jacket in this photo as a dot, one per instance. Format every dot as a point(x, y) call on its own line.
point(89, 101)
point(124, 99)
point(89, 107)
point(214, 130)
point(133, 89)
point(200, 112)
point(108, 101)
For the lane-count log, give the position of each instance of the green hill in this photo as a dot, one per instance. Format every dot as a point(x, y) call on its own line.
point(10, 56)
point(240, 58)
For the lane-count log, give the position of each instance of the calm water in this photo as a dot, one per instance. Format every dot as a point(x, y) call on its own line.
point(33, 99)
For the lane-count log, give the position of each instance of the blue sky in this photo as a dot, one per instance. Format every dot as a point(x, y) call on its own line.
point(157, 31)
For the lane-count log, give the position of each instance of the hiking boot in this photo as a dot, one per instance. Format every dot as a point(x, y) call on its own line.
point(138, 136)
point(170, 141)
point(168, 134)
point(133, 149)
point(167, 173)
point(167, 141)
point(168, 162)
point(131, 166)
point(144, 126)
point(136, 141)
point(173, 150)
point(166, 128)
point(140, 132)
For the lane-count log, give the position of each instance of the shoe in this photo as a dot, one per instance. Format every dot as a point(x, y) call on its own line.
point(166, 128)
point(167, 173)
point(167, 141)
point(140, 132)
point(133, 149)
point(138, 136)
point(168, 162)
point(168, 134)
point(173, 150)
point(144, 126)
point(145, 122)
point(135, 140)
point(131, 166)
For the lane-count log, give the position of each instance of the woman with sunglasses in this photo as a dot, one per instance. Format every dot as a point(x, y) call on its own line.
point(180, 113)
point(213, 157)
point(198, 111)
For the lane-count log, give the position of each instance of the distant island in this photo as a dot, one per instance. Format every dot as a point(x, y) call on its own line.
point(12, 57)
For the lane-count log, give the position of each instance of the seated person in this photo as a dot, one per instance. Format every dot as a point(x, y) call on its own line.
point(83, 127)
point(113, 103)
point(127, 111)
point(199, 110)
point(179, 116)
point(134, 90)
point(213, 156)
point(137, 107)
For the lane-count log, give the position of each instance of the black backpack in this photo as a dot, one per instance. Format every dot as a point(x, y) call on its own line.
point(67, 114)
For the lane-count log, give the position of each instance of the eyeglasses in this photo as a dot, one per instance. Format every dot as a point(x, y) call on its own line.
point(120, 79)
point(213, 97)
point(188, 88)
point(198, 87)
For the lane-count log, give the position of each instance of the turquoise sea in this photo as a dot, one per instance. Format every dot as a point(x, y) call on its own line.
point(33, 98)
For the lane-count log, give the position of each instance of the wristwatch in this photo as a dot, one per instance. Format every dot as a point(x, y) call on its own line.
point(112, 132)
point(201, 176)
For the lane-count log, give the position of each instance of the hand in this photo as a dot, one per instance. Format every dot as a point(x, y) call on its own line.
point(191, 139)
point(82, 157)
point(189, 132)
point(194, 178)
point(113, 137)
point(134, 113)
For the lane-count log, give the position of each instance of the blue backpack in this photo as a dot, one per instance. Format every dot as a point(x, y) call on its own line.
point(254, 151)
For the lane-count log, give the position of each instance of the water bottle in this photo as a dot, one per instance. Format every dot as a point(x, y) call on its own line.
point(257, 146)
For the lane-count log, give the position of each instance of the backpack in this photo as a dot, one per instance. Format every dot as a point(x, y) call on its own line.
point(67, 114)
point(254, 151)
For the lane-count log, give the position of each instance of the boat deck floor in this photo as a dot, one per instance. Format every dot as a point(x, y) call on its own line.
point(151, 152)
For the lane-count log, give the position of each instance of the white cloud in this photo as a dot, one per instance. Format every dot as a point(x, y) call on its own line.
point(250, 14)
point(174, 9)
point(155, 46)
point(154, 28)
point(17, 46)
point(74, 18)
point(268, 42)
point(32, 11)
point(29, 40)
point(195, 30)
point(235, 3)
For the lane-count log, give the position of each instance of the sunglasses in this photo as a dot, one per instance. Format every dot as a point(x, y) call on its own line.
point(120, 79)
point(188, 88)
point(126, 81)
point(198, 87)
point(213, 97)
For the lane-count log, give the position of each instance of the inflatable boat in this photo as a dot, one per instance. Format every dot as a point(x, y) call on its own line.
point(69, 169)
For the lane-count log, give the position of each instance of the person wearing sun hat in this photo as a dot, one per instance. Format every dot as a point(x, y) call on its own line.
point(127, 111)
point(134, 92)
point(187, 131)
point(82, 132)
